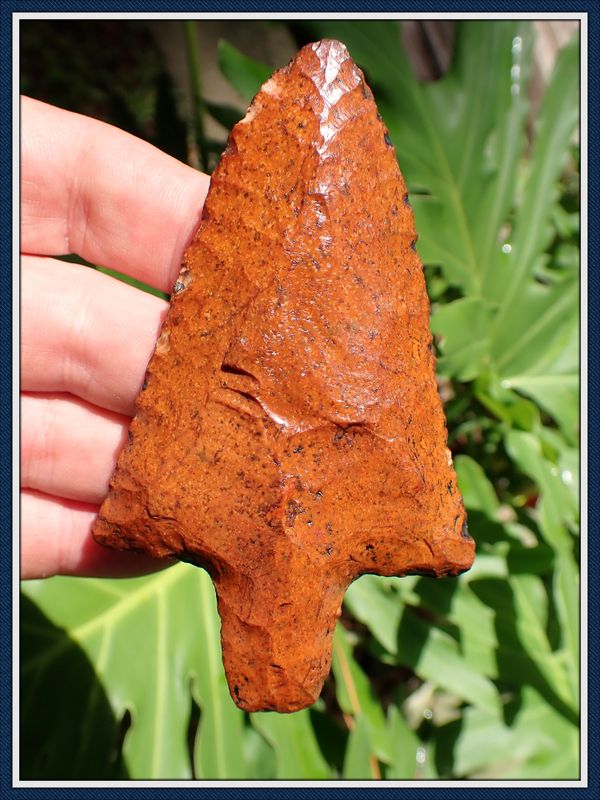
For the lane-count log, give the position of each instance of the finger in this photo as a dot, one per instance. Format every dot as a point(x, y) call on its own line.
point(56, 539)
point(68, 447)
point(91, 189)
point(85, 333)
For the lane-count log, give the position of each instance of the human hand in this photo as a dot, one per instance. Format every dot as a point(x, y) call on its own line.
point(86, 338)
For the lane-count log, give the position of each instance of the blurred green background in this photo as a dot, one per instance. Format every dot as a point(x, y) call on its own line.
point(475, 677)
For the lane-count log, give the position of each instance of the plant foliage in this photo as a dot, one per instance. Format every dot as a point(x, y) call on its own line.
point(469, 678)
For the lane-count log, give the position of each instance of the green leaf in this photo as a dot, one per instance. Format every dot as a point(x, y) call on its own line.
point(537, 742)
point(435, 656)
point(473, 619)
point(293, 739)
point(463, 326)
point(258, 755)
point(147, 655)
point(556, 507)
point(355, 697)
point(554, 385)
point(559, 115)
point(566, 597)
point(61, 693)
point(218, 750)
point(476, 489)
point(359, 763)
point(531, 609)
point(244, 74)
point(405, 744)
point(132, 282)
point(374, 601)
point(523, 655)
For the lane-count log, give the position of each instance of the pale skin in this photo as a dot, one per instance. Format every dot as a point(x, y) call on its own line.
point(86, 338)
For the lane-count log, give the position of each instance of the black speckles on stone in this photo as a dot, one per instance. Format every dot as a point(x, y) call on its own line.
point(293, 510)
point(406, 200)
point(387, 139)
point(413, 245)
point(179, 287)
point(450, 488)
point(145, 384)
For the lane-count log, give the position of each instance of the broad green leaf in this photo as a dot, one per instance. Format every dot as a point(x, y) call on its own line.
point(485, 745)
point(476, 489)
point(537, 326)
point(244, 74)
point(293, 740)
point(568, 463)
point(150, 640)
point(405, 745)
point(556, 507)
point(434, 655)
point(359, 762)
point(68, 729)
point(474, 620)
point(557, 394)
point(218, 750)
point(558, 118)
point(258, 755)
point(522, 652)
point(356, 697)
point(513, 409)
point(463, 327)
point(537, 350)
point(537, 329)
point(531, 609)
point(566, 597)
point(375, 602)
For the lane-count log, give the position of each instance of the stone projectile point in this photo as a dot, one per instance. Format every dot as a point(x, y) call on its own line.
point(289, 436)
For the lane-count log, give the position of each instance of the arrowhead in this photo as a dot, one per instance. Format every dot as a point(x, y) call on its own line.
point(290, 436)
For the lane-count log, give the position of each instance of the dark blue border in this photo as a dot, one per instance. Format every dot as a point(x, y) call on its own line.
point(592, 7)
point(504, 7)
point(593, 391)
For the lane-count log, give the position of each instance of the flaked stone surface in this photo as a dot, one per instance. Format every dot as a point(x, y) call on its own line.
point(289, 436)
